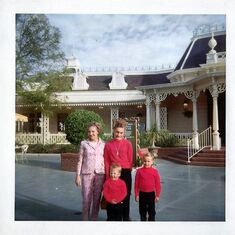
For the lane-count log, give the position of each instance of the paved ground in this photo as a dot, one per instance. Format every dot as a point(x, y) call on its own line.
point(189, 193)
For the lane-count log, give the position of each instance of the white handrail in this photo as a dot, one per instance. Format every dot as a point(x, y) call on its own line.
point(195, 145)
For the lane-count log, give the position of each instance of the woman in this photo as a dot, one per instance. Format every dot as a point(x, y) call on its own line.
point(119, 151)
point(90, 171)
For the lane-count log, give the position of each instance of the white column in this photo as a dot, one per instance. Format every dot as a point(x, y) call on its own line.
point(45, 129)
point(18, 126)
point(195, 124)
point(193, 95)
point(214, 90)
point(158, 117)
point(148, 103)
point(159, 97)
point(153, 115)
point(215, 134)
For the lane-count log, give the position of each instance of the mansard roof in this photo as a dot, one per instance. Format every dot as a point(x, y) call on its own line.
point(102, 82)
point(196, 51)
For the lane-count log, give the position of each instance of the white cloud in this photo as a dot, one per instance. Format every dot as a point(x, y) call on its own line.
point(122, 40)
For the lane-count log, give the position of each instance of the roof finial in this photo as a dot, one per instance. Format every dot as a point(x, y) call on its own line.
point(212, 44)
point(212, 56)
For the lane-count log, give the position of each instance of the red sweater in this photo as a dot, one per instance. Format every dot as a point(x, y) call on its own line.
point(118, 151)
point(147, 180)
point(114, 190)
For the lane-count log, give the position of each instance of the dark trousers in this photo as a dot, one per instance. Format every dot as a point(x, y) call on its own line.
point(147, 206)
point(126, 176)
point(114, 211)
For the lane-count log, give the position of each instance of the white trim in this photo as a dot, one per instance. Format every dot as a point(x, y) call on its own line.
point(90, 104)
point(186, 57)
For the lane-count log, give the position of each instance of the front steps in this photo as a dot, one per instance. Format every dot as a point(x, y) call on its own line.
point(206, 157)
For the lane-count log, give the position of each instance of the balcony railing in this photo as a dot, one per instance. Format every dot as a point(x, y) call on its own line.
point(111, 69)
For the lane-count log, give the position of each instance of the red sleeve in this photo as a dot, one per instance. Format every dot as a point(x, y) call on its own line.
point(106, 193)
point(137, 184)
point(157, 184)
point(106, 160)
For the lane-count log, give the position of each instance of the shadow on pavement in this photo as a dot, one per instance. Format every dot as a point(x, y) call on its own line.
point(31, 209)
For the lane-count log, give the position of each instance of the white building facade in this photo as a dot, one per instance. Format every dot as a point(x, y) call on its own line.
point(186, 99)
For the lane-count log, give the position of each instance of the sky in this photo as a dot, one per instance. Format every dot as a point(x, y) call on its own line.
point(101, 40)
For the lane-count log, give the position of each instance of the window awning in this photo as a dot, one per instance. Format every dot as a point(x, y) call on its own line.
point(21, 118)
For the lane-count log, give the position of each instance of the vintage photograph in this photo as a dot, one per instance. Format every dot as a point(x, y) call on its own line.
point(117, 118)
point(78, 74)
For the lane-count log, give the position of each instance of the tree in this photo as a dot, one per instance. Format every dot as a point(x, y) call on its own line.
point(40, 68)
point(37, 46)
point(76, 125)
point(40, 90)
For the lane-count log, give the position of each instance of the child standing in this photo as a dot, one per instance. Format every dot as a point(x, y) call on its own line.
point(114, 191)
point(147, 188)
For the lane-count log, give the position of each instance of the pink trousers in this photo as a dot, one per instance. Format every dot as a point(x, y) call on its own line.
point(92, 185)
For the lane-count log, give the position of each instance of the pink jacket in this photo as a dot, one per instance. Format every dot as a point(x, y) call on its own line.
point(91, 159)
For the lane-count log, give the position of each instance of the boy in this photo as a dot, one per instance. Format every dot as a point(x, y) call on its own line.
point(147, 188)
point(114, 191)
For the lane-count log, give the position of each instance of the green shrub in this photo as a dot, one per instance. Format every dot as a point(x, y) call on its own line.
point(144, 140)
point(105, 138)
point(69, 148)
point(52, 148)
point(160, 138)
point(76, 125)
point(166, 139)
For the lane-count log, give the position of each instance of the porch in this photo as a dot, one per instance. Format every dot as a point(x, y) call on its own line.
point(60, 138)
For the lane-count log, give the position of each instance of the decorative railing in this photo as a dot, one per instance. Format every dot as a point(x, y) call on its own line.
point(36, 138)
point(23, 138)
point(59, 138)
point(207, 28)
point(195, 145)
point(112, 69)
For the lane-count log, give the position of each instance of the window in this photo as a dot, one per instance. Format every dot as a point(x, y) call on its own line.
point(60, 121)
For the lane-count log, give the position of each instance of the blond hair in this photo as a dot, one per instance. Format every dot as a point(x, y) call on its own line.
point(148, 155)
point(116, 166)
point(97, 125)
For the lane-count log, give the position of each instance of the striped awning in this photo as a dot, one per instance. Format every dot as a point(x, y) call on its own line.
point(21, 118)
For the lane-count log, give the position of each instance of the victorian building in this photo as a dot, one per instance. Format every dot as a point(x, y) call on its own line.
point(188, 99)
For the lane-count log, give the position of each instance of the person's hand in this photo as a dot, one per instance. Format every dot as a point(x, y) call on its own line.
point(157, 199)
point(114, 201)
point(137, 198)
point(78, 180)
